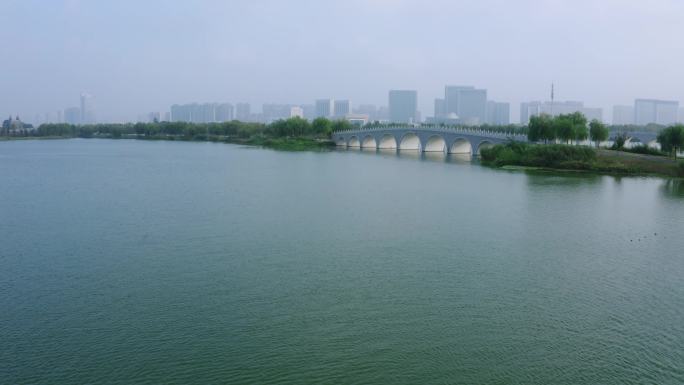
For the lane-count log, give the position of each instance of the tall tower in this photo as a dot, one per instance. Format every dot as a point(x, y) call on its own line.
point(87, 112)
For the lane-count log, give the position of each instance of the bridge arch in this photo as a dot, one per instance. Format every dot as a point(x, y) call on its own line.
point(388, 142)
point(354, 142)
point(435, 143)
point(340, 142)
point(369, 142)
point(484, 144)
point(410, 141)
point(461, 146)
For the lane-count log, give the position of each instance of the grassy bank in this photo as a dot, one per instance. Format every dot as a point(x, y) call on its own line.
point(579, 158)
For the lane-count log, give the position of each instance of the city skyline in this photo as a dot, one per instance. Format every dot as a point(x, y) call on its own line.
point(612, 52)
point(466, 105)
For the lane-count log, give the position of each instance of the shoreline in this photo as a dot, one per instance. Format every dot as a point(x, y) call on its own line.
point(607, 162)
point(281, 144)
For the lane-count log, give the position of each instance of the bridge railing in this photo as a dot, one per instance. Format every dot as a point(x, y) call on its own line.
point(449, 130)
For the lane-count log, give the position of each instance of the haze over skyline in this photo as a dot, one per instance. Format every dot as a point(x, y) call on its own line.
point(136, 57)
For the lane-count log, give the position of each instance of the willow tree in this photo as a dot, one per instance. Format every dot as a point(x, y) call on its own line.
point(671, 139)
point(540, 128)
point(598, 132)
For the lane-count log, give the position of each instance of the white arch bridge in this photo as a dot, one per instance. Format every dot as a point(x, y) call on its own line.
point(423, 139)
point(637, 138)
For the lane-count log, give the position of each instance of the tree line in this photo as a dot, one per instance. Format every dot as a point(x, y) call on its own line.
point(542, 128)
point(565, 128)
point(292, 127)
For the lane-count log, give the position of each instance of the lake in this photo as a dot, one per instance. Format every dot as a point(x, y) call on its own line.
point(193, 263)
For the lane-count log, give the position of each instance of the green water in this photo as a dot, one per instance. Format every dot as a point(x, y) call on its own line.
point(128, 262)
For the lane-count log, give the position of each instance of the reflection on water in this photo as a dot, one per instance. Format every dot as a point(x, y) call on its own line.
point(460, 158)
point(545, 178)
point(673, 188)
point(418, 155)
point(434, 156)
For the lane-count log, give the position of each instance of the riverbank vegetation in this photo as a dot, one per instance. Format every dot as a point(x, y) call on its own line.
point(287, 134)
point(578, 158)
point(565, 128)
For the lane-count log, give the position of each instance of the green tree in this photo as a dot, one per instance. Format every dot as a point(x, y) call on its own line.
point(534, 129)
point(322, 126)
point(598, 132)
point(671, 139)
point(541, 128)
point(565, 128)
point(297, 126)
point(341, 125)
point(579, 123)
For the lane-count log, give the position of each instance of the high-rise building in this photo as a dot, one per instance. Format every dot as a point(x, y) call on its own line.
point(272, 112)
point(403, 106)
point(296, 112)
point(367, 109)
point(153, 117)
point(648, 111)
point(383, 114)
point(555, 108)
point(325, 108)
point(224, 112)
point(623, 115)
point(242, 112)
point(467, 103)
point(87, 110)
point(208, 113)
point(181, 113)
point(498, 114)
point(440, 109)
point(680, 115)
point(472, 107)
point(451, 98)
point(72, 115)
point(197, 113)
point(193, 113)
point(342, 108)
point(309, 111)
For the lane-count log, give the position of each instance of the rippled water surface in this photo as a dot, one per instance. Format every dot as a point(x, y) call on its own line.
point(192, 263)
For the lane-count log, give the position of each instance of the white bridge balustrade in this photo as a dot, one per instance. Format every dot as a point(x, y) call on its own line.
point(423, 139)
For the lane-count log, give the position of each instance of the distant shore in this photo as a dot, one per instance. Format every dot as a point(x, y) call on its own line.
point(512, 156)
point(282, 143)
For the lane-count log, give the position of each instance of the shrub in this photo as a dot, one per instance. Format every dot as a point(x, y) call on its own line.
point(555, 156)
point(620, 140)
point(643, 149)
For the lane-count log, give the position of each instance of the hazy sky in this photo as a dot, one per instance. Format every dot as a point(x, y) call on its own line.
point(138, 56)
